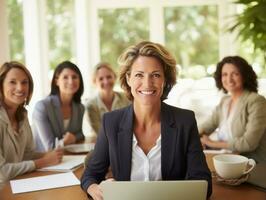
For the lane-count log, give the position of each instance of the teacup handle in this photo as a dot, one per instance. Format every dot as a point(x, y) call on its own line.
point(252, 163)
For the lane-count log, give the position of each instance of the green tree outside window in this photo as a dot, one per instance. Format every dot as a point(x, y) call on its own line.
point(120, 28)
point(61, 31)
point(15, 29)
point(192, 34)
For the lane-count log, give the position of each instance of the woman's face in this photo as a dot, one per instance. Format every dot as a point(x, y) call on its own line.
point(15, 88)
point(104, 80)
point(146, 80)
point(231, 78)
point(68, 82)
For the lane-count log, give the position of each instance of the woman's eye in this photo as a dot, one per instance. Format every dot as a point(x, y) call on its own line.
point(75, 77)
point(236, 74)
point(156, 75)
point(138, 75)
point(25, 82)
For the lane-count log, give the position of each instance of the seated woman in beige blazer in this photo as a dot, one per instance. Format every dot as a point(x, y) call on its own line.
point(17, 155)
point(106, 98)
point(241, 115)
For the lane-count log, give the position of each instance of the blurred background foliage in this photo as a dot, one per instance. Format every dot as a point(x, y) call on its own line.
point(250, 25)
point(61, 32)
point(120, 28)
point(15, 21)
point(191, 34)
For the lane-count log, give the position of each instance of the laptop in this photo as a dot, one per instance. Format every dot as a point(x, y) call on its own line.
point(154, 190)
point(257, 176)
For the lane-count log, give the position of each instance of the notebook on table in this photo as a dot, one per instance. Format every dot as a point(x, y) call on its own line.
point(154, 190)
point(69, 163)
point(257, 176)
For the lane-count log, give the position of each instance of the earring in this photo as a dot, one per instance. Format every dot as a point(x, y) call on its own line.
point(25, 102)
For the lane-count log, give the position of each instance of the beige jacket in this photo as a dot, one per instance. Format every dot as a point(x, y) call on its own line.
point(248, 125)
point(95, 108)
point(16, 149)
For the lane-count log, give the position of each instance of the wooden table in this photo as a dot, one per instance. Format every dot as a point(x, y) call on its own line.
point(66, 193)
point(220, 191)
point(244, 191)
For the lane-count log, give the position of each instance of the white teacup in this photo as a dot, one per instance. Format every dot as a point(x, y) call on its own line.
point(230, 166)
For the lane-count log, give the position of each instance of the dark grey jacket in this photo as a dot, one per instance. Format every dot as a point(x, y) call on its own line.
point(48, 122)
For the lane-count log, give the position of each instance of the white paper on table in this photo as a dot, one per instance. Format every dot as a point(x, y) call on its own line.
point(219, 151)
point(69, 163)
point(44, 182)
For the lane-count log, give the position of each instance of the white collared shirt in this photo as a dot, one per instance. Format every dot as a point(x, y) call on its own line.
point(225, 132)
point(146, 167)
point(66, 123)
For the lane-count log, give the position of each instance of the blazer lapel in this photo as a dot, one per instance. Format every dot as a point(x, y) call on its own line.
point(58, 118)
point(168, 142)
point(240, 104)
point(74, 116)
point(4, 119)
point(125, 134)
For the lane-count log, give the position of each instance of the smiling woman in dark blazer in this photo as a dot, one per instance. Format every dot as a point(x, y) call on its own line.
point(148, 140)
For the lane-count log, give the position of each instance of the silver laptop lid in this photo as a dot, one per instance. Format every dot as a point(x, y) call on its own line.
point(154, 190)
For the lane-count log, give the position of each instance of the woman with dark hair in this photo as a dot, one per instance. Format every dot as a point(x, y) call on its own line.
point(241, 115)
point(17, 154)
point(147, 140)
point(59, 116)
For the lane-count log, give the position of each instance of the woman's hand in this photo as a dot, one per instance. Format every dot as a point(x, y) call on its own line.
point(95, 191)
point(69, 138)
point(206, 141)
point(109, 175)
point(50, 158)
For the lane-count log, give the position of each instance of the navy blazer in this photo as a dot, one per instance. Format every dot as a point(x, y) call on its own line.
point(48, 122)
point(182, 157)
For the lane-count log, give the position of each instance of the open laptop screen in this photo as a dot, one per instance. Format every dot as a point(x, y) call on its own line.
point(154, 190)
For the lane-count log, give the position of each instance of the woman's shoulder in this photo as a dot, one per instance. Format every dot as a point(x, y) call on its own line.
point(251, 98)
point(171, 114)
point(91, 101)
point(122, 97)
point(120, 113)
point(254, 95)
point(177, 110)
point(48, 105)
point(44, 104)
point(120, 94)
point(47, 100)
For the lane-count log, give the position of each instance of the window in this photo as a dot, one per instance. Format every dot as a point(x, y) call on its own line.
point(120, 28)
point(15, 22)
point(60, 21)
point(191, 33)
